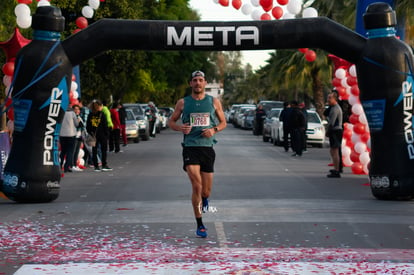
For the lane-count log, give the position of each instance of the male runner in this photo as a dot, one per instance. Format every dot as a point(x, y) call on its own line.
point(199, 114)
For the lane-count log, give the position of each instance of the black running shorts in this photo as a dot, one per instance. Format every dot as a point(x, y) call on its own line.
point(203, 156)
point(335, 138)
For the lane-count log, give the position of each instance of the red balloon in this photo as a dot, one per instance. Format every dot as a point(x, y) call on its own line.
point(303, 50)
point(341, 91)
point(265, 16)
point(282, 2)
point(224, 3)
point(365, 137)
point(76, 30)
point(73, 77)
point(336, 82)
point(359, 128)
point(351, 80)
point(81, 22)
point(355, 90)
point(277, 12)
point(28, 2)
point(310, 56)
point(357, 168)
point(267, 5)
point(10, 113)
point(347, 134)
point(236, 4)
point(8, 68)
point(354, 119)
point(354, 156)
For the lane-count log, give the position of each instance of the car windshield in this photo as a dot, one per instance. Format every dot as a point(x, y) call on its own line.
point(274, 113)
point(130, 115)
point(313, 118)
point(136, 109)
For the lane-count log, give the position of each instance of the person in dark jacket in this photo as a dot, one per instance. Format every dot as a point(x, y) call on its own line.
point(297, 124)
point(285, 117)
point(122, 120)
point(258, 120)
point(98, 125)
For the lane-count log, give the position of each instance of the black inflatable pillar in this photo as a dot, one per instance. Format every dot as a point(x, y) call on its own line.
point(385, 78)
point(40, 95)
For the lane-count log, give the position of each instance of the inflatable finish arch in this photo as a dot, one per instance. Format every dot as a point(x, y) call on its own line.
point(43, 73)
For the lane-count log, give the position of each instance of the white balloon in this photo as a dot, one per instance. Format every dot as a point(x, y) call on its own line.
point(81, 153)
point(364, 158)
point(43, 3)
point(247, 9)
point(353, 99)
point(346, 151)
point(355, 138)
point(360, 147)
point(344, 83)
point(7, 79)
point(81, 161)
point(294, 6)
point(309, 13)
point(94, 4)
point(75, 94)
point(24, 22)
point(256, 14)
point(357, 109)
point(288, 15)
point(21, 10)
point(73, 86)
point(366, 170)
point(347, 161)
point(87, 12)
point(340, 73)
point(363, 119)
point(255, 3)
point(352, 71)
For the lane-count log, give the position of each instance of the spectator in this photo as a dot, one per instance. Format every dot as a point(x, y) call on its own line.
point(122, 120)
point(259, 118)
point(67, 140)
point(116, 129)
point(334, 132)
point(284, 117)
point(107, 114)
point(78, 139)
point(97, 125)
point(302, 107)
point(297, 125)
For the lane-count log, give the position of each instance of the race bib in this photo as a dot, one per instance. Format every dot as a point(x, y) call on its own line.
point(200, 119)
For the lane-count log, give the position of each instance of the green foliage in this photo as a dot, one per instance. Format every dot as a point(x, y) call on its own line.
point(127, 75)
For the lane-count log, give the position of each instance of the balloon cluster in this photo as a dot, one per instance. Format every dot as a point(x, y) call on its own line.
point(266, 9)
point(356, 143)
point(278, 9)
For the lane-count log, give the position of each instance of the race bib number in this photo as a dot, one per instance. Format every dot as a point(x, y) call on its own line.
point(200, 119)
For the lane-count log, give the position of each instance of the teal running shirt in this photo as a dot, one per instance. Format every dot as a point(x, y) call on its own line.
point(200, 114)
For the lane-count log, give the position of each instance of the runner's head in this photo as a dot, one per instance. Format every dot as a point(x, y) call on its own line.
point(198, 82)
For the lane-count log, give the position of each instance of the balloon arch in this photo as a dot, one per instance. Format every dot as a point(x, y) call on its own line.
point(390, 174)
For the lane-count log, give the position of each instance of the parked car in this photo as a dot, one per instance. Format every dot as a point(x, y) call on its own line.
point(141, 119)
point(237, 110)
point(234, 110)
point(315, 132)
point(249, 118)
point(158, 118)
point(272, 118)
point(131, 125)
point(240, 120)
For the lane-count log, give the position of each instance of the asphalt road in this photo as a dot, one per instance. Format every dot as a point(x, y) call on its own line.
point(271, 213)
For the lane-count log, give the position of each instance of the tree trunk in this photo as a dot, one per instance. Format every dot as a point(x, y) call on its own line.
point(317, 88)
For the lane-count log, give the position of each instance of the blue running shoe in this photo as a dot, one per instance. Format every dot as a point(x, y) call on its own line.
point(205, 205)
point(201, 231)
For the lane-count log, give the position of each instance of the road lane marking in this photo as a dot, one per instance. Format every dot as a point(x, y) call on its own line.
point(221, 235)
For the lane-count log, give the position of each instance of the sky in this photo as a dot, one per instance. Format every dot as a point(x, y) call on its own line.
point(211, 11)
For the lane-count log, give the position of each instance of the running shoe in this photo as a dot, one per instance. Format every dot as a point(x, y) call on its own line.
point(202, 231)
point(97, 169)
point(106, 168)
point(205, 205)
